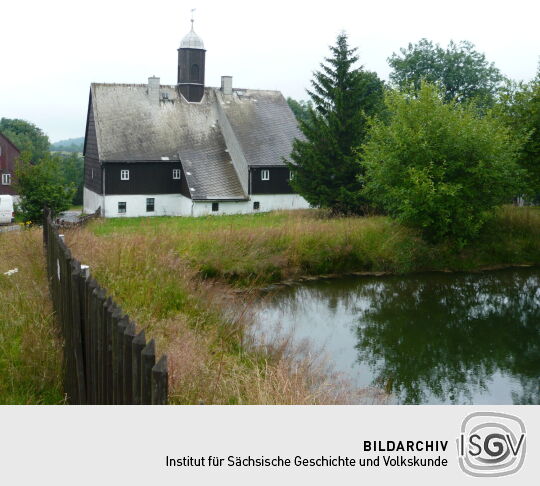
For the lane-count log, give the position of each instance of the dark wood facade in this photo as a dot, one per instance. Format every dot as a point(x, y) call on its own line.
point(278, 182)
point(144, 178)
point(191, 73)
point(8, 156)
point(93, 177)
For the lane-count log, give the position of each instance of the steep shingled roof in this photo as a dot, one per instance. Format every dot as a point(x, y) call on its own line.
point(130, 127)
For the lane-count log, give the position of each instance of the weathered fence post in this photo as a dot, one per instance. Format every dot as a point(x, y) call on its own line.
point(136, 365)
point(77, 324)
point(118, 357)
point(109, 309)
point(160, 378)
point(148, 360)
point(129, 335)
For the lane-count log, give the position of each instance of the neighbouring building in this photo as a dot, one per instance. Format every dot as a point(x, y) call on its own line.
point(8, 155)
point(187, 149)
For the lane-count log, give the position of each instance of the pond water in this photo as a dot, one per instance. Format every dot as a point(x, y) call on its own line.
point(425, 339)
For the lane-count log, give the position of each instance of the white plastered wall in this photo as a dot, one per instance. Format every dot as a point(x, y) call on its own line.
point(267, 202)
point(91, 201)
point(178, 205)
point(164, 205)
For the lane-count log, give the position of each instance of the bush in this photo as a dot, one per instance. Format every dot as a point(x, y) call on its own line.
point(40, 185)
point(439, 166)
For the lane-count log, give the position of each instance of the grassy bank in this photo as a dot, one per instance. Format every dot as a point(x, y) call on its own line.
point(264, 248)
point(30, 352)
point(158, 270)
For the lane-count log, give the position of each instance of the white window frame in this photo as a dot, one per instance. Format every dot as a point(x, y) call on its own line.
point(6, 179)
point(124, 175)
point(265, 174)
point(291, 175)
point(176, 174)
point(125, 208)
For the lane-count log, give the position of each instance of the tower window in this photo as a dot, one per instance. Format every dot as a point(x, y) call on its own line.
point(194, 72)
point(124, 175)
point(176, 173)
point(150, 203)
point(265, 175)
point(122, 207)
point(215, 207)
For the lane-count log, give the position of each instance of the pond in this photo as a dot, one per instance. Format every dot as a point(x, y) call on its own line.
point(425, 339)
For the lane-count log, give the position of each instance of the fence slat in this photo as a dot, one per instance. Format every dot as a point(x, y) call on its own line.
point(119, 330)
point(129, 335)
point(109, 309)
point(160, 379)
point(77, 333)
point(148, 361)
point(136, 364)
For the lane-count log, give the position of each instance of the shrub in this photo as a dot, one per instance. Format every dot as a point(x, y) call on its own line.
point(439, 166)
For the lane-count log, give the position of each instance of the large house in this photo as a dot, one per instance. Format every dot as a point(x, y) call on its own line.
point(8, 155)
point(186, 149)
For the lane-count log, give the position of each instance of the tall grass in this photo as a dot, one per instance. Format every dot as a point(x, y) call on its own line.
point(202, 326)
point(265, 248)
point(30, 349)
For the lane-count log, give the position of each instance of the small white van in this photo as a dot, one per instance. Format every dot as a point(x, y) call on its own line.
point(7, 215)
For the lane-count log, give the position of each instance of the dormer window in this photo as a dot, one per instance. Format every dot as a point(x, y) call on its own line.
point(124, 175)
point(265, 175)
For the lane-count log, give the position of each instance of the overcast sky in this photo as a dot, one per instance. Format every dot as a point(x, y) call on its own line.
point(50, 51)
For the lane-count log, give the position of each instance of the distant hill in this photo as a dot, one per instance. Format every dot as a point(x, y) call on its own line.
point(69, 145)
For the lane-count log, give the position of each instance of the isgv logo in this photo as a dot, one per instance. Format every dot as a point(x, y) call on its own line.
point(491, 444)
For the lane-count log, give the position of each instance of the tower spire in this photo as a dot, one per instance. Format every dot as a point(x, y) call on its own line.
point(192, 19)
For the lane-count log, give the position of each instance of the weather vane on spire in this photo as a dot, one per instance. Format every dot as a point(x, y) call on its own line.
point(192, 19)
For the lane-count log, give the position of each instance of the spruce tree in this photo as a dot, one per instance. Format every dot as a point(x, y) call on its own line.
point(325, 162)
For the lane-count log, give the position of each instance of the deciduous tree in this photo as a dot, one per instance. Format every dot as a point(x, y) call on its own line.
point(27, 137)
point(461, 72)
point(42, 184)
point(440, 166)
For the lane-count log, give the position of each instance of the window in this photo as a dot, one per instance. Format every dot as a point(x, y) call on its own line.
point(291, 175)
point(176, 173)
point(265, 175)
point(6, 179)
point(256, 205)
point(124, 175)
point(150, 204)
point(92, 173)
point(215, 207)
point(0, 149)
point(121, 207)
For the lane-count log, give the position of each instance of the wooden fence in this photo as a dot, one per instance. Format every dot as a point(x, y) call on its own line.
point(105, 360)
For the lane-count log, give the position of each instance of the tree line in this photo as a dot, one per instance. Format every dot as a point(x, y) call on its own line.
point(439, 147)
point(42, 178)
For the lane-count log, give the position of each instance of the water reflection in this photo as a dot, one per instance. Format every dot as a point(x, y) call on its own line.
point(438, 338)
